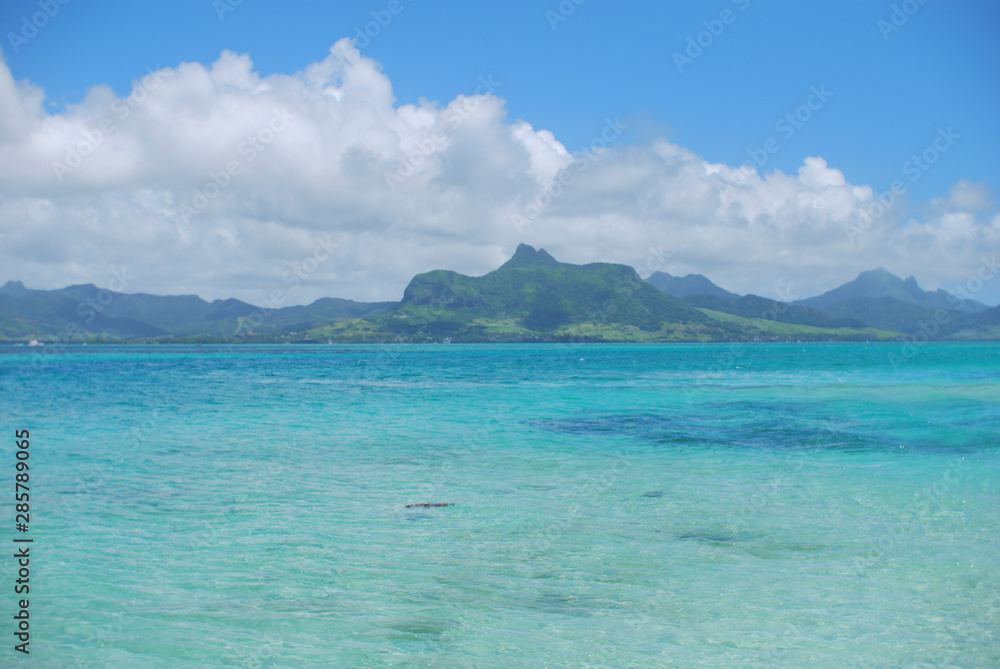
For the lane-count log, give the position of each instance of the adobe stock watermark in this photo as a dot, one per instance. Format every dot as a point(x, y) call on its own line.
point(587, 156)
point(87, 310)
point(223, 7)
point(566, 9)
point(477, 438)
point(914, 168)
point(656, 259)
point(626, 287)
point(921, 512)
point(323, 249)
point(616, 465)
point(921, 162)
point(900, 14)
point(786, 125)
point(30, 26)
point(438, 139)
point(381, 18)
point(750, 330)
point(988, 268)
point(929, 329)
point(248, 149)
point(771, 494)
point(713, 30)
point(95, 135)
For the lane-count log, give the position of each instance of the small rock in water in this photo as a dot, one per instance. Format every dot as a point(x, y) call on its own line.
point(429, 505)
point(710, 538)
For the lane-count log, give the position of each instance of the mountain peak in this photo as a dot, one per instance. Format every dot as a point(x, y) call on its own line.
point(873, 283)
point(13, 288)
point(527, 256)
point(912, 289)
point(692, 284)
point(880, 283)
point(879, 273)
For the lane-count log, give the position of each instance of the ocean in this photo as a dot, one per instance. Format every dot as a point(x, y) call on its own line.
point(704, 505)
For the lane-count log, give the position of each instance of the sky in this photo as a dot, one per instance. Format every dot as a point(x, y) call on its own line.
point(282, 152)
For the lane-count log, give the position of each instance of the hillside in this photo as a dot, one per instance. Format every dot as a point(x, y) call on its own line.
point(85, 312)
point(531, 297)
point(683, 286)
point(877, 284)
point(881, 299)
point(755, 307)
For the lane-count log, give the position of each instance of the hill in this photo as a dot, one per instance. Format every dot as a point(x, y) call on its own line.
point(692, 284)
point(534, 296)
point(756, 307)
point(531, 297)
point(878, 283)
point(883, 300)
point(87, 312)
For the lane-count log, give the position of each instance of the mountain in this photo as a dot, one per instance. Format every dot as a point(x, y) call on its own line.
point(756, 307)
point(534, 296)
point(531, 297)
point(983, 325)
point(86, 311)
point(13, 288)
point(322, 311)
point(881, 299)
point(887, 313)
point(879, 283)
point(527, 256)
point(692, 284)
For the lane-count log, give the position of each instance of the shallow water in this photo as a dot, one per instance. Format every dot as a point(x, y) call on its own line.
point(614, 506)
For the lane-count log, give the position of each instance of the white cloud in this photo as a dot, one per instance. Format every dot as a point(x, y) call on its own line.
point(403, 189)
point(966, 196)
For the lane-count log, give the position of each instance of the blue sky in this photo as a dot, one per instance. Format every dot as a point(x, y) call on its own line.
point(941, 68)
point(892, 91)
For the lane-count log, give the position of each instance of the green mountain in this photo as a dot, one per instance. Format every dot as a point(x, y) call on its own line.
point(534, 296)
point(683, 286)
point(756, 307)
point(883, 300)
point(983, 325)
point(527, 256)
point(885, 312)
point(879, 283)
point(531, 297)
point(88, 312)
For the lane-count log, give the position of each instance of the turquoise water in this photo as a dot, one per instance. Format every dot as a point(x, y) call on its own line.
point(614, 506)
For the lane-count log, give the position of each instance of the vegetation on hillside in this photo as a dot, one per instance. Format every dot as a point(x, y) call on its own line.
point(530, 298)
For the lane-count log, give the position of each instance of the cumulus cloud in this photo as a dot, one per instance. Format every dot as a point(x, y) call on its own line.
point(217, 181)
point(968, 196)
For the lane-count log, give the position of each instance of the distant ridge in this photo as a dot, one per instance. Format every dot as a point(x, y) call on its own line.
point(754, 306)
point(692, 284)
point(881, 299)
point(85, 311)
point(530, 297)
point(880, 283)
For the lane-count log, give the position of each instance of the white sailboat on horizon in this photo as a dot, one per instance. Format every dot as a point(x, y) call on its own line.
point(35, 342)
